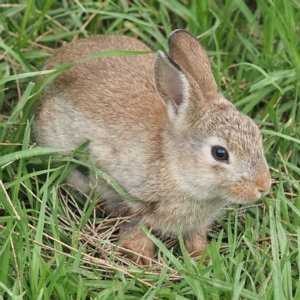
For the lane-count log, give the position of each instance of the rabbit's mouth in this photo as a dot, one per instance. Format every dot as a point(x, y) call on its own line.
point(245, 190)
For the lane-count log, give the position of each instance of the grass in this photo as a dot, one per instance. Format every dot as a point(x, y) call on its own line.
point(53, 245)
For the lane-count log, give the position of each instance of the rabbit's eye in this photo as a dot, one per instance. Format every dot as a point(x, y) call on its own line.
point(220, 154)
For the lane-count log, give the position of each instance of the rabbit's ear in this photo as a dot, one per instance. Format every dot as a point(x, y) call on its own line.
point(171, 83)
point(187, 51)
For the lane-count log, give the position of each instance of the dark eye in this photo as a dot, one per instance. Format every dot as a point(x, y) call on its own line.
point(219, 153)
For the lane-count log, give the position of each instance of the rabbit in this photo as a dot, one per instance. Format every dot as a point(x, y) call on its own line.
point(158, 125)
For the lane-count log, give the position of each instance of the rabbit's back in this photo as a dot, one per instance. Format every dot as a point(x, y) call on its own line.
point(121, 79)
point(114, 93)
point(110, 102)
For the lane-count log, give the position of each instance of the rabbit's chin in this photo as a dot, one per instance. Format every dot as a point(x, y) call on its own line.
point(240, 197)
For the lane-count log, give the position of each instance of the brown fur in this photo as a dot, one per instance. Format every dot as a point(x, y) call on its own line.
point(151, 121)
point(195, 243)
point(135, 243)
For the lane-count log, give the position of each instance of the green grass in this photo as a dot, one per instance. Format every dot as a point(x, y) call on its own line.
point(54, 246)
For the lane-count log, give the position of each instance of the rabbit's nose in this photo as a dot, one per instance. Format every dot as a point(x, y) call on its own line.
point(264, 184)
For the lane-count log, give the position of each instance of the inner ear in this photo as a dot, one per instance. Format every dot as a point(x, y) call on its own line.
point(170, 81)
point(174, 88)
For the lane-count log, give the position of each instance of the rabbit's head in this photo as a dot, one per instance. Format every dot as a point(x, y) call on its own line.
point(218, 150)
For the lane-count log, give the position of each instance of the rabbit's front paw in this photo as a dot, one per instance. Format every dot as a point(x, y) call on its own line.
point(195, 243)
point(135, 244)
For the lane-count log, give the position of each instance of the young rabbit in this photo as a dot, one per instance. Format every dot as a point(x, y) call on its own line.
point(158, 125)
